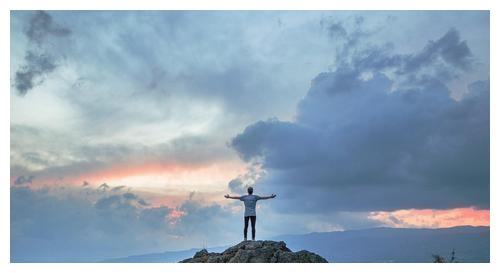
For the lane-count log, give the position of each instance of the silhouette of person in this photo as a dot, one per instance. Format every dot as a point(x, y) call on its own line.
point(250, 201)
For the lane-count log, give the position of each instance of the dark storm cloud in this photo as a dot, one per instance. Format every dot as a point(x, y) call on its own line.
point(38, 59)
point(357, 144)
point(444, 58)
point(42, 26)
point(31, 74)
point(449, 48)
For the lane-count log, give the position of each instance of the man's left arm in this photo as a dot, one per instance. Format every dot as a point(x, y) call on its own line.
point(268, 197)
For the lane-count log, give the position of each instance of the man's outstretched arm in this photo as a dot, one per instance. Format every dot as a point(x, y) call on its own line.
point(231, 197)
point(268, 197)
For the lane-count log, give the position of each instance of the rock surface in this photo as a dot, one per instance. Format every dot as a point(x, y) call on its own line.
point(256, 252)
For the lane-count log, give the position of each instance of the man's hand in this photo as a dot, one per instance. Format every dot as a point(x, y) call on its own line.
point(227, 195)
point(273, 195)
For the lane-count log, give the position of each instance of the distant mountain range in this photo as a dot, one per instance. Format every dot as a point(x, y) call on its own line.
point(471, 244)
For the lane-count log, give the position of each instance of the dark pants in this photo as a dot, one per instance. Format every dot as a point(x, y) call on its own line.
point(253, 219)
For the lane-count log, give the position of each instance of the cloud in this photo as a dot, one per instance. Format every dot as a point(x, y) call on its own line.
point(124, 96)
point(42, 26)
point(72, 224)
point(118, 188)
point(51, 155)
point(394, 139)
point(37, 65)
point(444, 58)
point(207, 223)
point(38, 60)
point(242, 182)
point(137, 65)
point(103, 187)
point(22, 180)
point(433, 218)
point(236, 185)
point(449, 48)
point(119, 201)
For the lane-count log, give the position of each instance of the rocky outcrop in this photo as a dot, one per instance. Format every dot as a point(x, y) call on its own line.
point(256, 252)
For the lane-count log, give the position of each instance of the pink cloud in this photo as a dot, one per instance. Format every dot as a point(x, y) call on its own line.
point(431, 218)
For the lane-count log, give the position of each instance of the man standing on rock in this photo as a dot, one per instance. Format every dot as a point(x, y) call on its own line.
point(250, 201)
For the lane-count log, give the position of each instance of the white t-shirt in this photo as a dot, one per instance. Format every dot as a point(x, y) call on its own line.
point(250, 202)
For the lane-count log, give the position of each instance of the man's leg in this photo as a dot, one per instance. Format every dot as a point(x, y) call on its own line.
point(246, 228)
point(253, 219)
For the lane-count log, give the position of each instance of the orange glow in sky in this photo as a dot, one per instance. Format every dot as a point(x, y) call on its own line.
point(164, 184)
point(431, 218)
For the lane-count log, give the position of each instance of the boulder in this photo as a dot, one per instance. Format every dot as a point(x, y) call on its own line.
point(256, 252)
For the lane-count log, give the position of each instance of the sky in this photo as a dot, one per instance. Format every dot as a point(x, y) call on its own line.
point(127, 128)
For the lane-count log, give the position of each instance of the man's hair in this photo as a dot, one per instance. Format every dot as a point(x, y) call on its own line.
point(250, 190)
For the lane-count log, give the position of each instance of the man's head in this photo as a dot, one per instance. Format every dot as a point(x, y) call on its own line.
point(250, 190)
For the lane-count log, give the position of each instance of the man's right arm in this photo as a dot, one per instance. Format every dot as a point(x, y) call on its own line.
point(232, 197)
